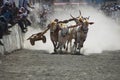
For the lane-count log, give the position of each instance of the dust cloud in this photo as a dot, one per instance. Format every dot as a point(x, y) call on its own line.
point(103, 35)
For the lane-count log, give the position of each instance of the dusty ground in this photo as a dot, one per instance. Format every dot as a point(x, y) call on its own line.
point(40, 65)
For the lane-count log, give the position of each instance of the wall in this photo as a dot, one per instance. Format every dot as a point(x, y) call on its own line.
point(13, 41)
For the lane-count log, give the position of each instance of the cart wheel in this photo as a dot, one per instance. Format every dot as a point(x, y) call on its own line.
point(44, 39)
point(32, 42)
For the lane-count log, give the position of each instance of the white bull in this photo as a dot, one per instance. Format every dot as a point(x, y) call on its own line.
point(81, 35)
point(62, 37)
point(65, 35)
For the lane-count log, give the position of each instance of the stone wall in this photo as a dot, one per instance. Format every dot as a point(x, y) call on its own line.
point(13, 41)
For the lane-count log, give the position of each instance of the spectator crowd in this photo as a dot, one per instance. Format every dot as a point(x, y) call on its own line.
point(11, 14)
point(109, 8)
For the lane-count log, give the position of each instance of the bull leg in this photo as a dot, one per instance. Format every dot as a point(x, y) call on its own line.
point(74, 47)
point(61, 49)
point(70, 41)
point(58, 46)
point(67, 46)
point(79, 49)
point(64, 46)
point(80, 46)
point(79, 53)
point(70, 46)
point(54, 46)
point(75, 50)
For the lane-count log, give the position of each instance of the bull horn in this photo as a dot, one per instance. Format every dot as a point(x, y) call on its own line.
point(72, 16)
point(88, 17)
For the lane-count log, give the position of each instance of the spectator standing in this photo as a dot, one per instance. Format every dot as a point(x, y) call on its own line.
point(25, 4)
point(1, 3)
point(23, 22)
point(6, 15)
point(11, 2)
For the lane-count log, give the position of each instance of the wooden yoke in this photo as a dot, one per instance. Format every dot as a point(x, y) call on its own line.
point(45, 30)
point(72, 26)
point(38, 34)
point(66, 21)
point(91, 23)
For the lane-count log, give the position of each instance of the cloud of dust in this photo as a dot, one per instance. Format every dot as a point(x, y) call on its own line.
point(103, 35)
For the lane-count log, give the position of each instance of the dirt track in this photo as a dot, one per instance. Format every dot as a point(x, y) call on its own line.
point(40, 65)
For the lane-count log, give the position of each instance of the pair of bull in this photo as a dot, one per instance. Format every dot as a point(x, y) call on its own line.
point(61, 34)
